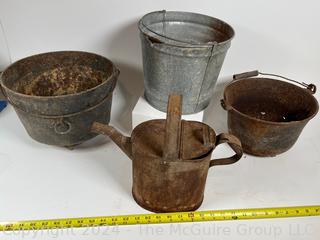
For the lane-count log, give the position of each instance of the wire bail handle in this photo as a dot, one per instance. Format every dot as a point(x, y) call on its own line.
point(311, 87)
point(164, 34)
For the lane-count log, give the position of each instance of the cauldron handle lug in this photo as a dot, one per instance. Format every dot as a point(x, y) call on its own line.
point(312, 88)
point(116, 72)
point(234, 143)
point(62, 127)
point(225, 105)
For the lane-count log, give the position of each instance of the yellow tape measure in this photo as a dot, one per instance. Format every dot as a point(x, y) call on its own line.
point(179, 217)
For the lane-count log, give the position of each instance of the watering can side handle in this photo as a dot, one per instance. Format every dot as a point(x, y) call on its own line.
point(234, 143)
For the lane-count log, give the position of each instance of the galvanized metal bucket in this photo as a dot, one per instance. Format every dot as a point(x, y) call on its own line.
point(266, 114)
point(183, 53)
point(58, 95)
point(171, 159)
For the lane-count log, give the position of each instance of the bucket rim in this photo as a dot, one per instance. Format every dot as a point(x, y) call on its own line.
point(272, 122)
point(145, 30)
point(115, 74)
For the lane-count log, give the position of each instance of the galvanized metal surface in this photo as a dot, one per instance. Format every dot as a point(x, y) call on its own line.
point(171, 159)
point(58, 95)
point(182, 53)
point(266, 114)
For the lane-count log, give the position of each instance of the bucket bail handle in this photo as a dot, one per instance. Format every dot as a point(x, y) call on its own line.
point(311, 87)
point(172, 140)
point(155, 39)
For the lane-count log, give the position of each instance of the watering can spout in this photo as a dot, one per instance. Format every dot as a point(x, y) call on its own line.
point(122, 141)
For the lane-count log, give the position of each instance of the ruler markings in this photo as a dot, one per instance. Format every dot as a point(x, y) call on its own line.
point(179, 217)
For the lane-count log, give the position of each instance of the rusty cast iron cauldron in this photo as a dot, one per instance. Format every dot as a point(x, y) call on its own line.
point(58, 95)
point(266, 114)
point(171, 159)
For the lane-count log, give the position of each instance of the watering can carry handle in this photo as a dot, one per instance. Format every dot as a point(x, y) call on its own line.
point(234, 143)
point(311, 87)
point(171, 151)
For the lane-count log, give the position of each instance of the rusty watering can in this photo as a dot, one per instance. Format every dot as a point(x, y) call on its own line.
point(171, 159)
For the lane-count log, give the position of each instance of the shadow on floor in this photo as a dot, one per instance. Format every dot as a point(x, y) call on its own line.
point(214, 115)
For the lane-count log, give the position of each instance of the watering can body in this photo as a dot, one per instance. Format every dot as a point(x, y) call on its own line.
point(171, 159)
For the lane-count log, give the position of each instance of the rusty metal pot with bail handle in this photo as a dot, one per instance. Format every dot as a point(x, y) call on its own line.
point(171, 159)
point(267, 114)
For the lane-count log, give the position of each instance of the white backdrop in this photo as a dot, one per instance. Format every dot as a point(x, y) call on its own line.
point(39, 181)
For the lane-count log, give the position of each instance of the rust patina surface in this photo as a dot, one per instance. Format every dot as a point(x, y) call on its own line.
point(58, 95)
point(266, 114)
point(171, 159)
